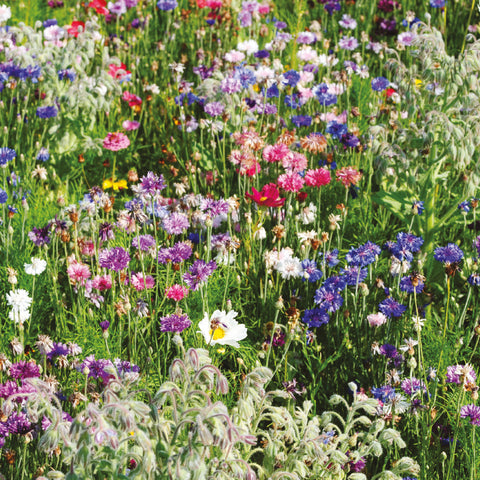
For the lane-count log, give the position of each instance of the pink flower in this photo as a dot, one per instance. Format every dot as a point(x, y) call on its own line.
point(116, 141)
point(276, 153)
point(88, 248)
point(376, 319)
point(290, 182)
point(139, 282)
point(130, 125)
point(318, 177)
point(133, 100)
point(297, 162)
point(176, 292)
point(102, 282)
point(78, 273)
point(263, 9)
point(348, 176)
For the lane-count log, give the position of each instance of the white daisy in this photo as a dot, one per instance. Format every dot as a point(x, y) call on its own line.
point(222, 328)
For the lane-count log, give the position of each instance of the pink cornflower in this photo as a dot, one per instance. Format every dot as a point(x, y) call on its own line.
point(139, 282)
point(102, 282)
point(297, 162)
point(318, 177)
point(116, 141)
point(376, 319)
point(176, 292)
point(276, 153)
point(348, 176)
point(130, 125)
point(88, 248)
point(78, 273)
point(290, 182)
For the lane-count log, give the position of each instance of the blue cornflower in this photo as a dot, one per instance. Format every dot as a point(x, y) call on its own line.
point(417, 207)
point(350, 140)
point(437, 3)
point(337, 283)
point(310, 271)
point(262, 54)
point(292, 77)
point(291, 101)
point(336, 130)
point(43, 154)
point(406, 285)
point(167, 5)
point(473, 279)
point(354, 275)
point(410, 241)
point(363, 255)
point(47, 112)
point(245, 76)
point(449, 254)
point(316, 317)
point(3, 196)
point(391, 308)
point(331, 258)
point(331, 6)
point(6, 155)
point(323, 96)
point(50, 22)
point(464, 206)
point(301, 120)
point(384, 394)
point(379, 84)
point(273, 92)
point(68, 73)
point(328, 299)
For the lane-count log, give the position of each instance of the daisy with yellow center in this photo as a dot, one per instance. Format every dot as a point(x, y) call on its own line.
point(221, 328)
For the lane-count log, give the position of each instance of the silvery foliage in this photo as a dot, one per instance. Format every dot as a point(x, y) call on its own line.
point(184, 432)
point(80, 101)
point(441, 95)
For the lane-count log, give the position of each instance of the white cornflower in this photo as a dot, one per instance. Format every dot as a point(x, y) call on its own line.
point(418, 323)
point(5, 13)
point(19, 299)
point(37, 266)
point(289, 267)
point(222, 328)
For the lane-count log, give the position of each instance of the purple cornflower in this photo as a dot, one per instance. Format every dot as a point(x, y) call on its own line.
point(40, 236)
point(124, 366)
point(472, 412)
point(3, 196)
point(104, 325)
point(150, 184)
point(105, 232)
point(23, 369)
point(379, 84)
point(175, 323)
point(437, 3)
point(412, 385)
point(293, 388)
point(117, 258)
point(167, 5)
point(316, 317)
point(357, 466)
point(410, 241)
point(310, 271)
point(449, 254)
point(388, 351)
point(348, 43)
point(143, 242)
point(18, 423)
point(406, 285)
point(336, 130)
point(292, 77)
point(323, 96)
point(474, 279)
point(391, 308)
point(384, 393)
point(230, 85)
point(245, 76)
point(199, 273)
point(47, 112)
point(460, 374)
point(350, 140)
point(301, 120)
point(214, 109)
point(180, 251)
point(176, 223)
point(476, 244)
point(354, 275)
point(58, 350)
point(96, 368)
point(6, 155)
point(328, 299)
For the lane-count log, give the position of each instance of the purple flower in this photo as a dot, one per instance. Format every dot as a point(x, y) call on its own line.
point(417, 207)
point(124, 366)
point(175, 323)
point(57, 350)
point(47, 112)
point(437, 3)
point(150, 184)
point(180, 251)
point(3, 196)
point(412, 385)
point(292, 389)
point(449, 254)
point(245, 76)
point(472, 412)
point(474, 279)
point(388, 350)
point(292, 77)
point(310, 271)
point(316, 317)
point(336, 130)
point(391, 308)
point(301, 120)
point(363, 255)
point(23, 369)
point(348, 43)
point(18, 423)
point(323, 96)
point(117, 258)
point(105, 232)
point(214, 109)
point(176, 223)
point(337, 283)
point(331, 258)
point(40, 236)
point(143, 242)
point(104, 325)
point(167, 5)
point(199, 273)
point(96, 368)
point(6, 155)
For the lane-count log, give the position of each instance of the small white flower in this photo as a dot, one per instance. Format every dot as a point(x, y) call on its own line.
point(222, 329)
point(5, 13)
point(19, 299)
point(37, 266)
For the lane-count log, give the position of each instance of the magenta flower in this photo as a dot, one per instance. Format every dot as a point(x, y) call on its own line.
point(116, 258)
point(116, 141)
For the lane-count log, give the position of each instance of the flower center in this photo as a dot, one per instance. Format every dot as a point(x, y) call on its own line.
point(218, 333)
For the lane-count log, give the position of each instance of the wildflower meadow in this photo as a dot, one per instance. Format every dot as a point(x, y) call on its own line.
point(239, 239)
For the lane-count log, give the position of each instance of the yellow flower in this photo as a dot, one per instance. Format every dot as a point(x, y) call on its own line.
point(418, 82)
point(109, 183)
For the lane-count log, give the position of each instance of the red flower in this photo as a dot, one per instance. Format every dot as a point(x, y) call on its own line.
point(100, 6)
point(389, 92)
point(73, 30)
point(269, 196)
point(119, 72)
